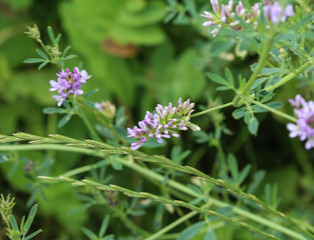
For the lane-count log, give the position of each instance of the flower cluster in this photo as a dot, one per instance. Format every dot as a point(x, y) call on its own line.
point(304, 127)
point(275, 13)
point(68, 82)
point(106, 108)
point(227, 16)
point(161, 124)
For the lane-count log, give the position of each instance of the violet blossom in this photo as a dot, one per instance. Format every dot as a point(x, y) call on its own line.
point(161, 125)
point(226, 16)
point(304, 127)
point(68, 83)
point(275, 13)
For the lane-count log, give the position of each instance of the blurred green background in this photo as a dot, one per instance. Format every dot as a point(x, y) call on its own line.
point(139, 53)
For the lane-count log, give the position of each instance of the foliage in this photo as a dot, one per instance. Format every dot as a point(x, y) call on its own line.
point(232, 180)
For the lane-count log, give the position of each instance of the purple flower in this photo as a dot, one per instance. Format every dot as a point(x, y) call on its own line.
point(215, 6)
point(227, 15)
point(162, 124)
point(29, 166)
point(304, 127)
point(275, 13)
point(68, 83)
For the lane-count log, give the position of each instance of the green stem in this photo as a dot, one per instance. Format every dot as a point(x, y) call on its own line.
point(281, 114)
point(261, 62)
point(288, 77)
point(171, 226)
point(217, 203)
point(58, 147)
point(152, 175)
point(211, 109)
point(92, 131)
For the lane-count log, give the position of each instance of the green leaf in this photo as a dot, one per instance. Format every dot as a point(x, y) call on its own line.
point(226, 211)
point(32, 235)
point(253, 125)
point(196, 201)
point(70, 57)
point(191, 231)
point(223, 88)
point(89, 233)
point(210, 235)
point(137, 212)
point(191, 7)
point(258, 81)
point(104, 226)
point(218, 79)
point(30, 218)
point(116, 165)
point(90, 93)
point(58, 38)
point(247, 117)
point(51, 35)
point(42, 54)
point(229, 76)
point(52, 110)
point(239, 113)
point(109, 237)
point(268, 97)
point(233, 166)
point(65, 51)
point(260, 109)
point(64, 120)
point(244, 173)
point(83, 207)
point(13, 223)
point(106, 132)
point(307, 19)
point(258, 177)
point(33, 60)
point(42, 65)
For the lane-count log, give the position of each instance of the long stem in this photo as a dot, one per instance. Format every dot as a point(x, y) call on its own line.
point(281, 114)
point(152, 175)
point(288, 77)
point(217, 203)
point(211, 109)
point(94, 135)
point(261, 62)
point(171, 226)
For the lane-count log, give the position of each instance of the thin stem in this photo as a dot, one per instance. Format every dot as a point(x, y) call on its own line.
point(152, 175)
point(217, 203)
point(103, 122)
point(281, 114)
point(211, 109)
point(288, 77)
point(172, 225)
point(93, 133)
point(58, 147)
point(261, 62)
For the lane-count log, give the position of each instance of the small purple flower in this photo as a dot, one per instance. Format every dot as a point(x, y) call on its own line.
point(226, 16)
point(68, 83)
point(162, 124)
point(275, 13)
point(29, 166)
point(304, 127)
point(215, 6)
